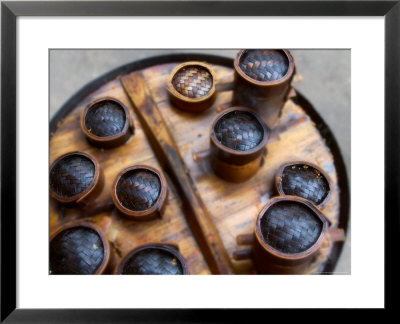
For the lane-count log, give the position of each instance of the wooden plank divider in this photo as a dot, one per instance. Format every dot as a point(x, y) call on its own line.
point(169, 157)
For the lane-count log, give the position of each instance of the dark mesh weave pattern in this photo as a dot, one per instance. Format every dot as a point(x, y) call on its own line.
point(76, 251)
point(192, 81)
point(153, 261)
point(264, 65)
point(239, 130)
point(290, 227)
point(71, 175)
point(306, 182)
point(138, 189)
point(106, 118)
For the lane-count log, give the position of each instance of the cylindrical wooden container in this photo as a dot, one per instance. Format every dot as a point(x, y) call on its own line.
point(106, 122)
point(263, 80)
point(238, 137)
point(289, 231)
point(153, 259)
point(304, 179)
point(75, 177)
point(191, 86)
point(140, 192)
point(79, 248)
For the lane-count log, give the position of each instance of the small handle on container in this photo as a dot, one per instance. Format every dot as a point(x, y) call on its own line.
point(336, 234)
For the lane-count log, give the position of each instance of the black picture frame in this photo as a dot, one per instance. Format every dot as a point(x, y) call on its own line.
point(390, 10)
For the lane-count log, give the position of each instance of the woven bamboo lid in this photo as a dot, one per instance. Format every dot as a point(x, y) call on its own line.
point(264, 67)
point(192, 81)
point(106, 122)
point(238, 135)
point(140, 192)
point(239, 130)
point(304, 179)
point(73, 176)
point(290, 227)
point(78, 248)
point(153, 259)
point(191, 86)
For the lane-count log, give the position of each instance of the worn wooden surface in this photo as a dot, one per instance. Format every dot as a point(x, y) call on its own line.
point(232, 208)
point(196, 213)
point(124, 234)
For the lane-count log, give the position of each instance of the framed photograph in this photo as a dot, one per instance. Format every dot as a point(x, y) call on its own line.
point(138, 138)
point(192, 92)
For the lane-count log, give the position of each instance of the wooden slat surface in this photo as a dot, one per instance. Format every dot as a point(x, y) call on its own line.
point(123, 233)
point(233, 208)
point(196, 213)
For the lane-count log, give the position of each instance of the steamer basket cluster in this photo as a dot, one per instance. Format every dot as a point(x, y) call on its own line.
point(113, 217)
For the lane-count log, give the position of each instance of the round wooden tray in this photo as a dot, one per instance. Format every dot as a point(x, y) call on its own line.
point(203, 215)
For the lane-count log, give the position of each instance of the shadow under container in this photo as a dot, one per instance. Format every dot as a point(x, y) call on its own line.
point(79, 247)
point(153, 259)
point(106, 123)
point(305, 180)
point(75, 178)
point(262, 81)
point(139, 192)
point(191, 86)
point(289, 232)
point(238, 137)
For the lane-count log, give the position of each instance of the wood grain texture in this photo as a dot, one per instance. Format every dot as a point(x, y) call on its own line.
point(124, 234)
point(232, 208)
point(163, 143)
